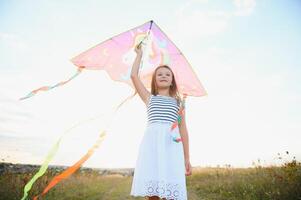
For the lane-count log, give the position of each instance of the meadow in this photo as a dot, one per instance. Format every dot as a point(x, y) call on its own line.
point(210, 183)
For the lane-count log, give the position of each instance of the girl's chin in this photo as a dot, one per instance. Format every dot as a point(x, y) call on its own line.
point(163, 86)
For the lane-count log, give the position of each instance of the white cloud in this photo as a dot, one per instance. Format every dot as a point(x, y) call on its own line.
point(201, 24)
point(195, 23)
point(244, 7)
point(12, 41)
point(7, 36)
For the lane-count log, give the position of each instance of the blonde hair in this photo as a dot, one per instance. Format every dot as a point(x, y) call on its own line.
point(173, 89)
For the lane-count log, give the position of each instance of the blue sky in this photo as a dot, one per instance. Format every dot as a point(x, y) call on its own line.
point(245, 52)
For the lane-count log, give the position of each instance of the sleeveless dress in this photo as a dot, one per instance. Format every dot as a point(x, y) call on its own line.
point(160, 166)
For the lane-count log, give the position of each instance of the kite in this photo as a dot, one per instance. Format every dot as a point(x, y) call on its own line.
point(116, 56)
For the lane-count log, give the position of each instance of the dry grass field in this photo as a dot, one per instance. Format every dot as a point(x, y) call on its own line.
point(256, 183)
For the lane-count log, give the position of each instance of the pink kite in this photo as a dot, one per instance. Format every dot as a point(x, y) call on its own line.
point(116, 56)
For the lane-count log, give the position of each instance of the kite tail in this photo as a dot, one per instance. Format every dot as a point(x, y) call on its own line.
point(69, 171)
point(42, 170)
point(48, 158)
point(178, 121)
point(46, 88)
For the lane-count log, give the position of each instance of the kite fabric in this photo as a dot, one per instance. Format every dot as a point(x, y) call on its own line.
point(116, 56)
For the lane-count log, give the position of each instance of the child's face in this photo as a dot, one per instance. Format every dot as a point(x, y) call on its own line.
point(163, 77)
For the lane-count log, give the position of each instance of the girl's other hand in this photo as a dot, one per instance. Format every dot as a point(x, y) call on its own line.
point(188, 168)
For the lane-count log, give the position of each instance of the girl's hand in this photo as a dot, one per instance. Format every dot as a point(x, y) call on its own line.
point(188, 168)
point(138, 49)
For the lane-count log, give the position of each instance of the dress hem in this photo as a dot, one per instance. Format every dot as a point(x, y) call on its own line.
point(149, 195)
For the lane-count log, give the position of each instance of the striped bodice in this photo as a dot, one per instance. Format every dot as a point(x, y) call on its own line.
point(162, 108)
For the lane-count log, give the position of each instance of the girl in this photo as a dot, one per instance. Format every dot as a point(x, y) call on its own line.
point(162, 163)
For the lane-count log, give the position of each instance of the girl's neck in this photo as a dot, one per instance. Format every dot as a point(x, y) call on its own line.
point(164, 93)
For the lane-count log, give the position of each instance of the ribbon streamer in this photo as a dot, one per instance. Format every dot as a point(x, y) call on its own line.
point(42, 170)
point(53, 151)
point(48, 158)
point(47, 88)
point(175, 137)
point(69, 171)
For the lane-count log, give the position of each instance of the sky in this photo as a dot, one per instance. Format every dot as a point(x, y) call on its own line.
point(246, 53)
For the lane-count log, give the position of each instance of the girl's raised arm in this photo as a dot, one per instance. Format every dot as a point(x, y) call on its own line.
point(141, 89)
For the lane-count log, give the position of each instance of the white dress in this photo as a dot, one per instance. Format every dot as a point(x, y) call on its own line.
point(160, 168)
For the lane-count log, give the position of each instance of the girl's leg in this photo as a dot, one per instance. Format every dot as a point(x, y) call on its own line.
point(155, 198)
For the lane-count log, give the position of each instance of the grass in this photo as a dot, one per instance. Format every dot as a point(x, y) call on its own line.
point(257, 183)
